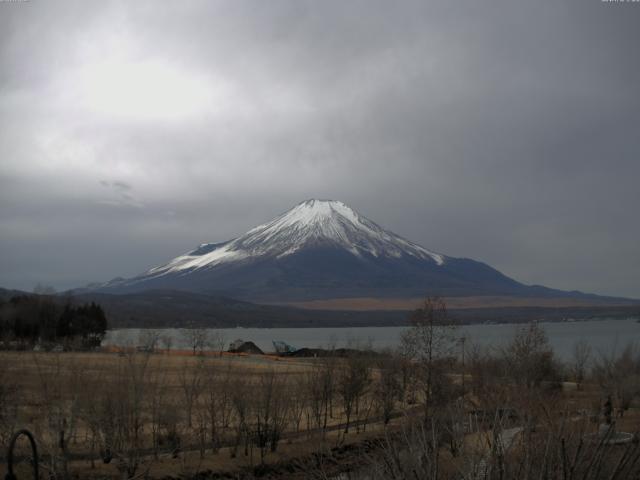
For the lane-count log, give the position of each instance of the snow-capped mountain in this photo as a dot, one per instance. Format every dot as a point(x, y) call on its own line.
point(310, 224)
point(317, 250)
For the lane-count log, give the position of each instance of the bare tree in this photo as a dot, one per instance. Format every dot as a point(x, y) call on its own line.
point(270, 408)
point(580, 361)
point(191, 382)
point(627, 384)
point(530, 357)
point(413, 454)
point(387, 386)
point(196, 338)
point(169, 427)
point(9, 401)
point(129, 399)
point(60, 386)
point(149, 340)
point(167, 342)
point(156, 403)
point(408, 384)
point(321, 384)
point(487, 377)
point(211, 403)
point(240, 401)
point(429, 342)
point(299, 400)
point(218, 341)
point(619, 375)
point(217, 405)
point(353, 379)
point(559, 452)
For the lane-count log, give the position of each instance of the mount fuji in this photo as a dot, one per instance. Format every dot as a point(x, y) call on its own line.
point(323, 249)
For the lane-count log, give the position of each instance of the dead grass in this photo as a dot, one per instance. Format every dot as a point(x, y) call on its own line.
point(404, 304)
point(66, 376)
point(26, 370)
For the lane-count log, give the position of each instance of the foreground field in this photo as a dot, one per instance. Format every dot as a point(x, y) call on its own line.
point(170, 414)
point(510, 414)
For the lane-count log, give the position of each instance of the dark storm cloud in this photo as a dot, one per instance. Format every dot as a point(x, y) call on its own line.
point(502, 131)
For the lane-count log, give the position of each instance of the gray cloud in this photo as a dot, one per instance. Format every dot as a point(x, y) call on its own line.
point(497, 130)
point(116, 185)
point(121, 195)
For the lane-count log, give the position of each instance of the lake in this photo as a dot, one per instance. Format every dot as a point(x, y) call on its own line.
point(604, 336)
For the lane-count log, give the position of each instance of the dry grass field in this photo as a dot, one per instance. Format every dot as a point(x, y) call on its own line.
point(409, 304)
point(128, 415)
point(170, 414)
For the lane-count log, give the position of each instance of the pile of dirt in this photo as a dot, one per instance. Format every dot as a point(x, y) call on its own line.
point(247, 347)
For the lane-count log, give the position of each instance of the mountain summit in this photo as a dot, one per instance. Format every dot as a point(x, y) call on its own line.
point(310, 224)
point(322, 249)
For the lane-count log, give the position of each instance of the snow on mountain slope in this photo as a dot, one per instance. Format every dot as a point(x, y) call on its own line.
point(323, 249)
point(317, 250)
point(313, 222)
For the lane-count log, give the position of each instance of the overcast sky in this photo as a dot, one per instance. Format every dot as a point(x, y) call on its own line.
point(507, 132)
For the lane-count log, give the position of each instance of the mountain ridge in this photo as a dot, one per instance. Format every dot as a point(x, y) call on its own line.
point(322, 249)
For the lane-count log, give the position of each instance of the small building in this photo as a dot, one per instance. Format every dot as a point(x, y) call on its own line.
point(283, 348)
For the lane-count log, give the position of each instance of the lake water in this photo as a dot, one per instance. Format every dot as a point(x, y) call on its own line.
point(604, 336)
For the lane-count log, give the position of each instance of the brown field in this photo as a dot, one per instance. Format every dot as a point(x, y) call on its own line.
point(69, 392)
point(213, 407)
point(369, 304)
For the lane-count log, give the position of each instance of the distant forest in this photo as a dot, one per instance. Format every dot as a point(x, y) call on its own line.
point(29, 320)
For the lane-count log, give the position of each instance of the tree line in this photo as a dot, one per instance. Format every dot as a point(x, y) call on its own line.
point(29, 320)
